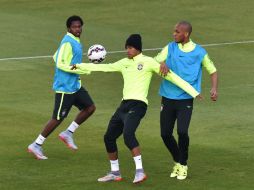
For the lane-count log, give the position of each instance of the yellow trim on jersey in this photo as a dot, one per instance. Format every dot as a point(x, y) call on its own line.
point(60, 107)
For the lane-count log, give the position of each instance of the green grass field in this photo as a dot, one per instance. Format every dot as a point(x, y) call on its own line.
point(221, 133)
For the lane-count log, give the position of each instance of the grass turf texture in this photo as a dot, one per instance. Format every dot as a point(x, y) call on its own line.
point(221, 133)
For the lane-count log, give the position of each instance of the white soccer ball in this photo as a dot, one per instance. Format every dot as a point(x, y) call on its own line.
point(96, 53)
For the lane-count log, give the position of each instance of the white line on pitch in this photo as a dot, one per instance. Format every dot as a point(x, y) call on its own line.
point(113, 52)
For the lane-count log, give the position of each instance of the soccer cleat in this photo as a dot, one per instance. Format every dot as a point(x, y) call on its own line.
point(139, 177)
point(36, 150)
point(66, 137)
point(175, 171)
point(182, 173)
point(110, 177)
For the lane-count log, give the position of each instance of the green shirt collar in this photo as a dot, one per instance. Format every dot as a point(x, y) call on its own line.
point(74, 37)
point(189, 46)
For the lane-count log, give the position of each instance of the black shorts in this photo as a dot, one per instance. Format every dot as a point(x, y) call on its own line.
point(63, 102)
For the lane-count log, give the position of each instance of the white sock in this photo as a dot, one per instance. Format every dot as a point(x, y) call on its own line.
point(138, 162)
point(114, 165)
point(73, 126)
point(40, 139)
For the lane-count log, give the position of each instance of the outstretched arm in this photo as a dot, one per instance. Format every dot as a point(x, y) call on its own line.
point(110, 67)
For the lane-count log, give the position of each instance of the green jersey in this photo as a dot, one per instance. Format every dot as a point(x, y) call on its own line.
point(137, 74)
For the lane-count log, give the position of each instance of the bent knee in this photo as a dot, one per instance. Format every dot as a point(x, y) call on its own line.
point(130, 141)
point(166, 136)
point(182, 133)
point(91, 109)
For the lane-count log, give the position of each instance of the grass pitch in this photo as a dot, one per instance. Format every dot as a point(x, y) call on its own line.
point(221, 133)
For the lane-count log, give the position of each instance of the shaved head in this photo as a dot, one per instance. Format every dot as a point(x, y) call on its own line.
point(186, 25)
point(182, 32)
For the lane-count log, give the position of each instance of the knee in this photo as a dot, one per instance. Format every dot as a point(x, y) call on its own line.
point(130, 140)
point(110, 143)
point(183, 134)
point(56, 121)
point(183, 140)
point(108, 139)
point(91, 109)
point(166, 137)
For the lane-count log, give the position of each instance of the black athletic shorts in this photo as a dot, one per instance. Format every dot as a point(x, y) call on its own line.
point(63, 102)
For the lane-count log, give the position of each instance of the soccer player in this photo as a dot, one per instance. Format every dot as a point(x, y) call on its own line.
point(68, 90)
point(137, 70)
point(186, 59)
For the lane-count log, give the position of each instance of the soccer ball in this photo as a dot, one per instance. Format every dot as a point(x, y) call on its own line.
point(96, 53)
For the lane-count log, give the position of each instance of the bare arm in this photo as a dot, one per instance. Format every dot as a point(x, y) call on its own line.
point(209, 66)
point(214, 88)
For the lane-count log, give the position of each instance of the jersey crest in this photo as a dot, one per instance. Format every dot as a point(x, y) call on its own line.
point(140, 66)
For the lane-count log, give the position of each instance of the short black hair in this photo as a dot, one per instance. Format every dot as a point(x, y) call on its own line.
point(187, 24)
point(73, 18)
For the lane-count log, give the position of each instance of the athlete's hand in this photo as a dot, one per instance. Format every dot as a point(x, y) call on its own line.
point(199, 97)
point(164, 70)
point(74, 67)
point(213, 94)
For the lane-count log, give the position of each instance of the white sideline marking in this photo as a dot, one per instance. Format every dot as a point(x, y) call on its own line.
point(113, 52)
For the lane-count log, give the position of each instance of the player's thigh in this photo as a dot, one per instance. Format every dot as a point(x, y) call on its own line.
point(63, 104)
point(167, 115)
point(83, 99)
point(184, 114)
point(115, 125)
point(133, 117)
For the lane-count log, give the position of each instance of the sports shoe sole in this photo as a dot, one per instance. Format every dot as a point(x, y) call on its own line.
point(140, 181)
point(183, 178)
point(172, 176)
point(65, 142)
point(35, 155)
point(114, 180)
